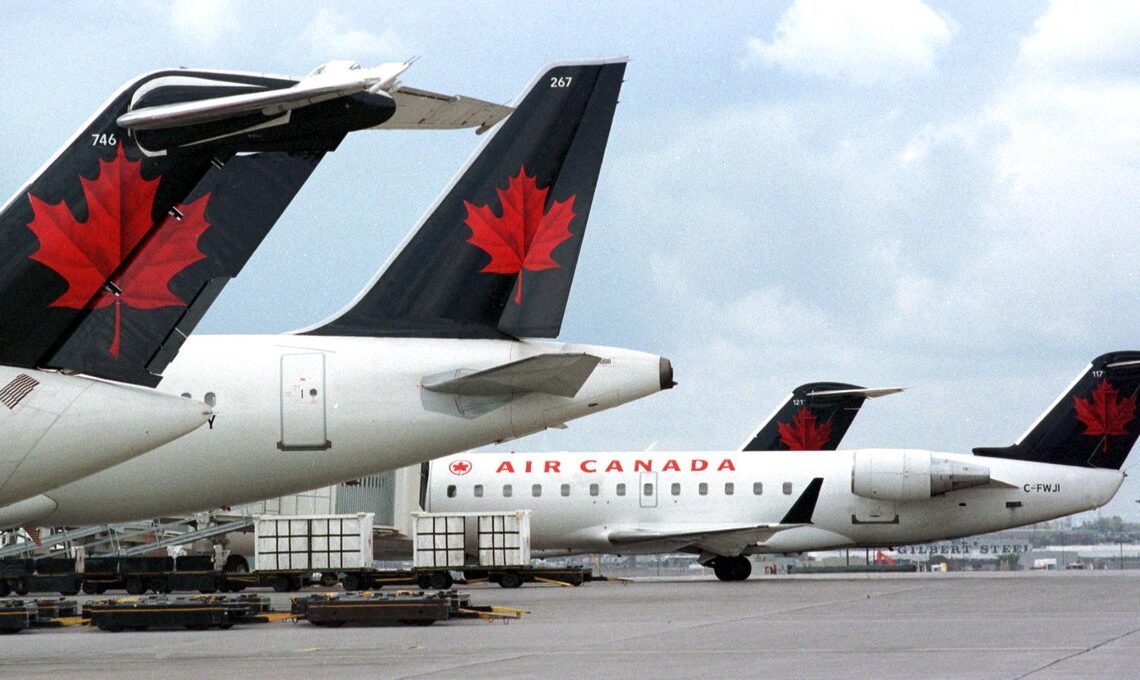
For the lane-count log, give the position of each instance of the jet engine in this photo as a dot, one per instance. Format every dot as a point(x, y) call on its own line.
point(911, 475)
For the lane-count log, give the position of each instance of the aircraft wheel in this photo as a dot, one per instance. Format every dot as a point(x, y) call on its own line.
point(90, 588)
point(722, 567)
point(5, 589)
point(135, 586)
point(743, 568)
point(22, 587)
point(281, 584)
point(351, 582)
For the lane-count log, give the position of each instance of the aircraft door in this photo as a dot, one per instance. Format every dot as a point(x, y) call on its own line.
point(303, 424)
point(647, 489)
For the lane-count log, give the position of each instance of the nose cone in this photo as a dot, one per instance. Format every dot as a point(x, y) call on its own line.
point(666, 371)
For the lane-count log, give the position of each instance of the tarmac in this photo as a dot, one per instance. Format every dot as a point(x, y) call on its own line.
point(963, 625)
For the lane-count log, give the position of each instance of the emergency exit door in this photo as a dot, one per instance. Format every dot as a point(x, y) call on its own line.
point(303, 424)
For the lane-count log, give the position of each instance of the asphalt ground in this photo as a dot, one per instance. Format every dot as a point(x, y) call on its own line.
point(1016, 625)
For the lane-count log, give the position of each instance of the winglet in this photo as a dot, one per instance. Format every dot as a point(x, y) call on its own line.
point(804, 507)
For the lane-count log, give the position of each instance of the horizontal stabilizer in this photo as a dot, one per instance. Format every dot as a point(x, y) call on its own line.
point(423, 110)
point(558, 374)
point(311, 90)
point(865, 392)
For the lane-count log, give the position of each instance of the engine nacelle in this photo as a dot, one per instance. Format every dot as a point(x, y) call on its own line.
point(911, 475)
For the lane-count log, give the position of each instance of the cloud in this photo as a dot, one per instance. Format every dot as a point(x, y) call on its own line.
point(332, 35)
point(1083, 39)
point(203, 21)
point(862, 42)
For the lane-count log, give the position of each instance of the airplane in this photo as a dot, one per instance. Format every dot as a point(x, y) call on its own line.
point(815, 416)
point(724, 506)
point(116, 248)
point(435, 355)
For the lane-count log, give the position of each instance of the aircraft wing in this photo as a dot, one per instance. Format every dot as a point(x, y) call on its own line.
point(717, 539)
point(721, 539)
point(558, 374)
point(422, 110)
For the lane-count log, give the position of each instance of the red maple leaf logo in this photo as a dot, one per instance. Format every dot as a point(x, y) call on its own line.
point(459, 467)
point(1104, 414)
point(524, 236)
point(802, 434)
point(87, 254)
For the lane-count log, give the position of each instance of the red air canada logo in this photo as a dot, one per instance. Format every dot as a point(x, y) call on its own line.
point(1104, 414)
point(802, 434)
point(87, 254)
point(459, 467)
point(525, 235)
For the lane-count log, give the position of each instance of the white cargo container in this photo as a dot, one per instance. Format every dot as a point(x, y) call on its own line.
point(313, 542)
point(496, 539)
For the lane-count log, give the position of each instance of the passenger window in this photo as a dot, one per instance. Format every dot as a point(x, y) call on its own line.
point(620, 489)
point(536, 490)
point(185, 395)
point(594, 489)
point(703, 488)
point(787, 488)
point(507, 491)
point(675, 489)
point(451, 491)
point(647, 490)
point(211, 399)
point(757, 488)
point(729, 488)
point(478, 490)
point(565, 489)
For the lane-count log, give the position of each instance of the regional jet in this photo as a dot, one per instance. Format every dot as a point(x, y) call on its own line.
point(725, 505)
point(114, 250)
point(435, 355)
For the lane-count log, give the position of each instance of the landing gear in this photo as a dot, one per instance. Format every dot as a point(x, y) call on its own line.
point(732, 568)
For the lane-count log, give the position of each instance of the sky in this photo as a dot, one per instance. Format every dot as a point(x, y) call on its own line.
point(935, 195)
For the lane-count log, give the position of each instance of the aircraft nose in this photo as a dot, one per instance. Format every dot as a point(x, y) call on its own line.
point(666, 371)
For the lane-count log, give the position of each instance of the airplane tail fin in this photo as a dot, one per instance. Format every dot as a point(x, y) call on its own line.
point(814, 417)
point(1092, 424)
point(115, 248)
point(495, 256)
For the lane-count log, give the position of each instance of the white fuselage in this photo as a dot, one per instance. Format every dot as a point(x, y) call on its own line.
point(296, 412)
point(577, 500)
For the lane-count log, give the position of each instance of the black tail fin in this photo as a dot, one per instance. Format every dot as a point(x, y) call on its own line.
point(1092, 424)
point(115, 249)
point(495, 256)
point(815, 417)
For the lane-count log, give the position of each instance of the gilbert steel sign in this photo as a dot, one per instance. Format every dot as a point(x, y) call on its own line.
point(976, 549)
